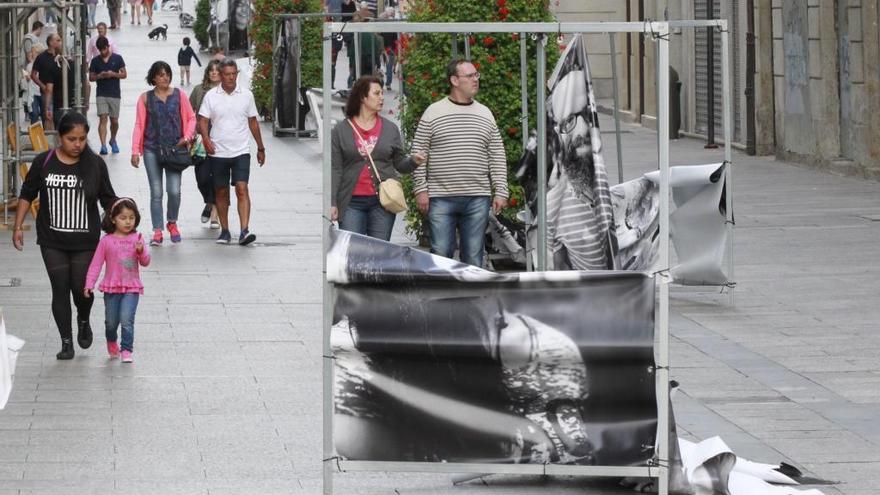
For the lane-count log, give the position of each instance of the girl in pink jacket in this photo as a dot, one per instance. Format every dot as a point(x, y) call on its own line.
point(121, 251)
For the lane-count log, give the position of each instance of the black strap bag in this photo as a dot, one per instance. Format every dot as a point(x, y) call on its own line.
point(171, 157)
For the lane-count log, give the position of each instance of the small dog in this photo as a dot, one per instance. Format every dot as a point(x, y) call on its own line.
point(159, 31)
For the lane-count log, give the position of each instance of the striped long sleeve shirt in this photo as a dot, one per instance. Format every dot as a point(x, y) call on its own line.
point(465, 151)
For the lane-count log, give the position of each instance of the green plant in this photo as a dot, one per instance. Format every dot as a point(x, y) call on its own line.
point(203, 21)
point(261, 31)
point(496, 56)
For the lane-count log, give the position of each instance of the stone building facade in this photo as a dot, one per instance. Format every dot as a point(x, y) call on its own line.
point(816, 77)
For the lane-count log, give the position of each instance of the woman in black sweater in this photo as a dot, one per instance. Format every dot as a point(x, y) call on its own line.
point(70, 180)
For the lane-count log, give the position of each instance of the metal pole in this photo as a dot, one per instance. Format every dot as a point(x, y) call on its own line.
point(728, 154)
point(5, 110)
point(467, 46)
point(328, 450)
point(357, 55)
point(524, 90)
point(663, 276)
point(542, 153)
point(751, 138)
point(297, 92)
point(710, 78)
point(65, 66)
point(78, 19)
point(274, 76)
point(524, 122)
point(616, 108)
point(454, 46)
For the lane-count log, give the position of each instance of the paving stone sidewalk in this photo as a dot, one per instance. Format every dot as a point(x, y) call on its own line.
point(225, 394)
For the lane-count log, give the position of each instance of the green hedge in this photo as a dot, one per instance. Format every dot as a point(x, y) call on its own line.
point(261, 34)
point(496, 56)
point(203, 20)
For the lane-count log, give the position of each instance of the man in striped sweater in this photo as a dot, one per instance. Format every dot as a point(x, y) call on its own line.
point(466, 172)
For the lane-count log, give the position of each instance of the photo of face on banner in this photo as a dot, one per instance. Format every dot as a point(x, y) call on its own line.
point(433, 366)
point(578, 201)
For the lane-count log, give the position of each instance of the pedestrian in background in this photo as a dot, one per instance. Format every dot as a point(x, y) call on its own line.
point(466, 174)
point(164, 119)
point(371, 50)
point(364, 137)
point(28, 42)
point(185, 57)
point(70, 181)
point(92, 49)
point(93, 7)
point(135, 10)
point(227, 113)
point(47, 74)
point(202, 169)
point(119, 253)
point(107, 69)
point(115, 9)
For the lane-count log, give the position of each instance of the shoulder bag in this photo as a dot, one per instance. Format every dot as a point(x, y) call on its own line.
point(172, 157)
point(391, 195)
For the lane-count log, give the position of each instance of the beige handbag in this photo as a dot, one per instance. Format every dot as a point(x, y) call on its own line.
point(391, 195)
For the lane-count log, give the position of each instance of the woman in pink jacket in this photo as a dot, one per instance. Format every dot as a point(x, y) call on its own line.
point(164, 118)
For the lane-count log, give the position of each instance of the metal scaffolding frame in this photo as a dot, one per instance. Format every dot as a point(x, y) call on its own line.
point(13, 16)
point(658, 31)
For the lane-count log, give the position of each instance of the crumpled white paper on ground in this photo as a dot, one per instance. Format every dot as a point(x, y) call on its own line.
point(9, 347)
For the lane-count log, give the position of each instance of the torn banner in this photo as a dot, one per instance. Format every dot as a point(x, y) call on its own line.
point(698, 219)
point(441, 362)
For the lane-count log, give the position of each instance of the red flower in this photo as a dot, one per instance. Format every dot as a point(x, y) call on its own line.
point(426, 76)
point(410, 80)
point(491, 59)
point(502, 3)
point(514, 36)
point(512, 130)
point(472, 40)
point(503, 13)
point(513, 202)
point(434, 94)
point(476, 65)
point(488, 41)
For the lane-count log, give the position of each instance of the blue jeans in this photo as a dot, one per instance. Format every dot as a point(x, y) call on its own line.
point(469, 215)
point(119, 309)
point(36, 109)
point(172, 187)
point(365, 215)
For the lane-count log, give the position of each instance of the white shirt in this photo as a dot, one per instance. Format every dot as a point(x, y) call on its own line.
point(229, 114)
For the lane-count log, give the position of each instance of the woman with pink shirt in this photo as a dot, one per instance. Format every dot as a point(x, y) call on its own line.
point(164, 118)
point(120, 251)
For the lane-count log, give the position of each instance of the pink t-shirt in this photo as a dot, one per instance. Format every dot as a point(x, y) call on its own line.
point(364, 185)
point(120, 257)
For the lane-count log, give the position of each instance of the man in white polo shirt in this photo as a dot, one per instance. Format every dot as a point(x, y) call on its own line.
point(227, 114)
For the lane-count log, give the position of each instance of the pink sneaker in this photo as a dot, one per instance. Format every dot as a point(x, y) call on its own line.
point(126, 356)
point(157, 238)
point(175, 233)
point(113, 350)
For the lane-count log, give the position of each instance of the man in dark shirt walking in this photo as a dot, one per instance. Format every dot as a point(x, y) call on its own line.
point(46, 74)
point(107, 69)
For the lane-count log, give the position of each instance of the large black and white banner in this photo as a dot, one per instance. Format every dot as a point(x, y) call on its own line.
point(436, 361)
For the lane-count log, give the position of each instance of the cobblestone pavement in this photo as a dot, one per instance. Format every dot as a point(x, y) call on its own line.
point(224, 395)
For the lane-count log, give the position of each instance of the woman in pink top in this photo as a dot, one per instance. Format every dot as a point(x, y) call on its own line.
point(121, 251)
point(164, 118)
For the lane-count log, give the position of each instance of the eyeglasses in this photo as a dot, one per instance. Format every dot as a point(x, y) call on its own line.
point(474, 75)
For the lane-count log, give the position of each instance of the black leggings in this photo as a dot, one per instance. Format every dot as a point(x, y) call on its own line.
point(67, 274)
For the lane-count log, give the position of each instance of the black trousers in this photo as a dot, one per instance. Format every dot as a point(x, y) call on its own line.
point(204, 179)
point(67, 274)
